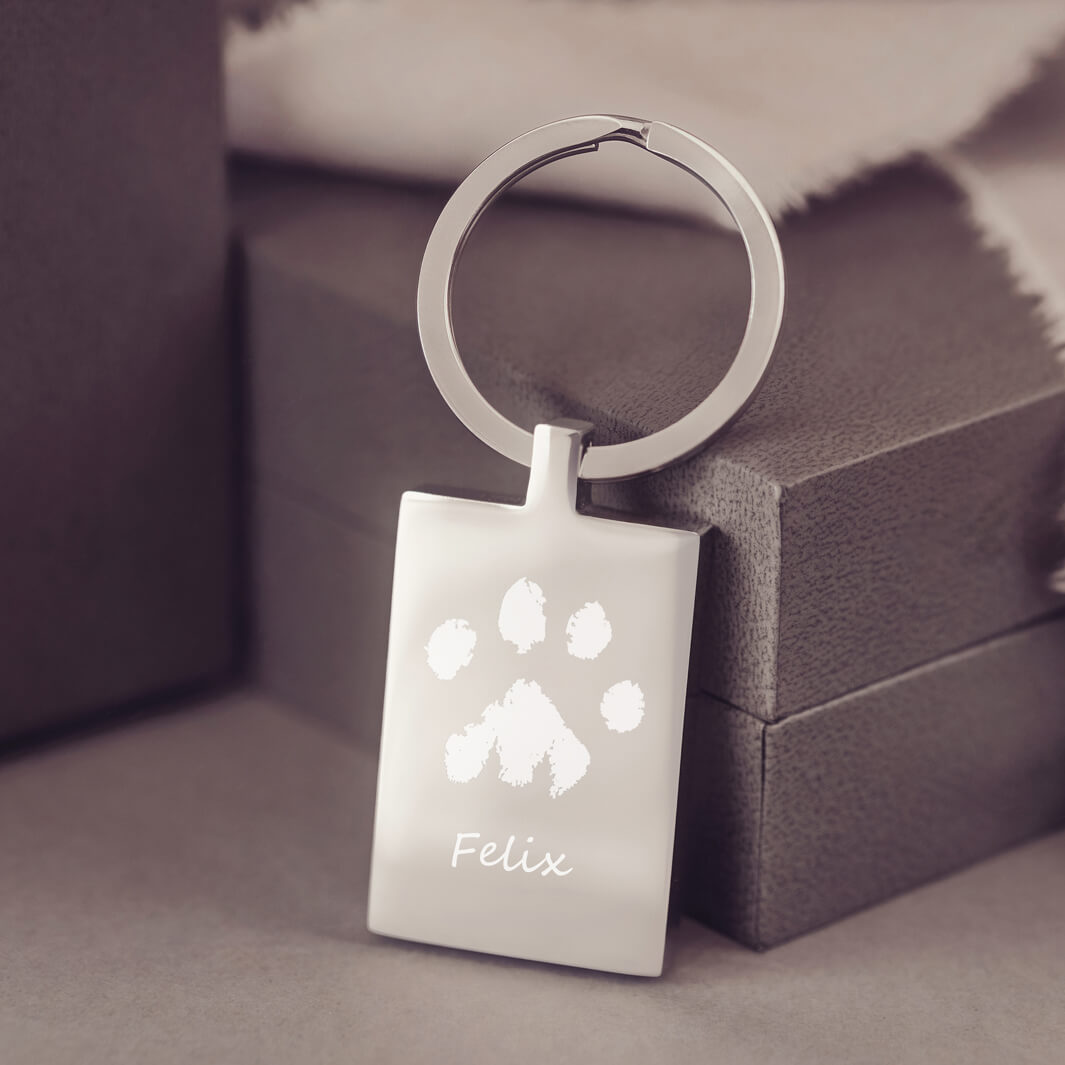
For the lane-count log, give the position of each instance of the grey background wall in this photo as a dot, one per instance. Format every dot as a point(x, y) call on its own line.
point(116, 476)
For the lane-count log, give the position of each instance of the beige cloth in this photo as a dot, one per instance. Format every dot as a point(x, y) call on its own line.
point(800, 95)
point(1013, 169)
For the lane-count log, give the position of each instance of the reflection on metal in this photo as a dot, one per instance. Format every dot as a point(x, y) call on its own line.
point(540, 734)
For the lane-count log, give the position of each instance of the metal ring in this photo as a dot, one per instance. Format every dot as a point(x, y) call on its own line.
point(529, 152)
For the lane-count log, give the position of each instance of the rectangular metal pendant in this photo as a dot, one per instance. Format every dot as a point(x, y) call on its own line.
point(534, 707)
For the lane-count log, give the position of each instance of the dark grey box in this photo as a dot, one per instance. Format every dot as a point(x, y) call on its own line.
point(115, 424)
point(789, 825)
point(887, 501)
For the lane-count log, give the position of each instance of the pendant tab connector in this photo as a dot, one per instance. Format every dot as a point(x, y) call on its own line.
point(558, 449)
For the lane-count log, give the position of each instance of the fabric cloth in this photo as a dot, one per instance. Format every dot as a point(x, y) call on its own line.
point(1013, 169)
point(801, 96)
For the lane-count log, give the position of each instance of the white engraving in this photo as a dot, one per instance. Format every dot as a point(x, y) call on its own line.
point(466, 753)
point(569, 760)
point(524, 728)
point(521, 615)
point(622, 706)
point(588, 632)
point(450, 648)
point(547, 865)
point(526, 724)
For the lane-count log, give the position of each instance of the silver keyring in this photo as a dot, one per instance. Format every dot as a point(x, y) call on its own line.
point(529, 152)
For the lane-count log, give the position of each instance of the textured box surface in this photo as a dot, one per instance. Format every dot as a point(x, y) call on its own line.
point(888, 497)
point(792, 824)
point(117, 485)
point(883, 512)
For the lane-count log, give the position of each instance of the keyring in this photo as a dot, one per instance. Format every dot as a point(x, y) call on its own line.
point(522, 156)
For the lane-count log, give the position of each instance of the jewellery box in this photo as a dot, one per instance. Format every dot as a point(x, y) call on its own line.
point(877, 696)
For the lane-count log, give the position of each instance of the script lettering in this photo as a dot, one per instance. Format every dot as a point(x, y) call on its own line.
point(546, 866)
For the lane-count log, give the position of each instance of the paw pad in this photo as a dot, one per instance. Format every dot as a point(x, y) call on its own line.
point(524, 727)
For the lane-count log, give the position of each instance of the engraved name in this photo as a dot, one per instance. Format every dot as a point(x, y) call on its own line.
point(546, 866)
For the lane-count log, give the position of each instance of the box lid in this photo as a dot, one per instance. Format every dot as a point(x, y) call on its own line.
point(887, 499)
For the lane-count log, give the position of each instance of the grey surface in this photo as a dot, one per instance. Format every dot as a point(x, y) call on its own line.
point(886, 500)
point(116, 488)
point(193, 889)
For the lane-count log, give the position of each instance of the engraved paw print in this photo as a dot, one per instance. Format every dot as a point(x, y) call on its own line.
point(524, 727)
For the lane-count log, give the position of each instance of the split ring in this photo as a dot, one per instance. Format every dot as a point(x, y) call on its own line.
point(529, 152)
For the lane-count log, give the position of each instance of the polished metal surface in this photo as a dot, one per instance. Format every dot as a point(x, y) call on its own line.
point(534, 706)
point(529, 152)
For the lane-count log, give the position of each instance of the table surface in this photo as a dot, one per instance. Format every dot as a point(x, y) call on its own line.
point(192, 887)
